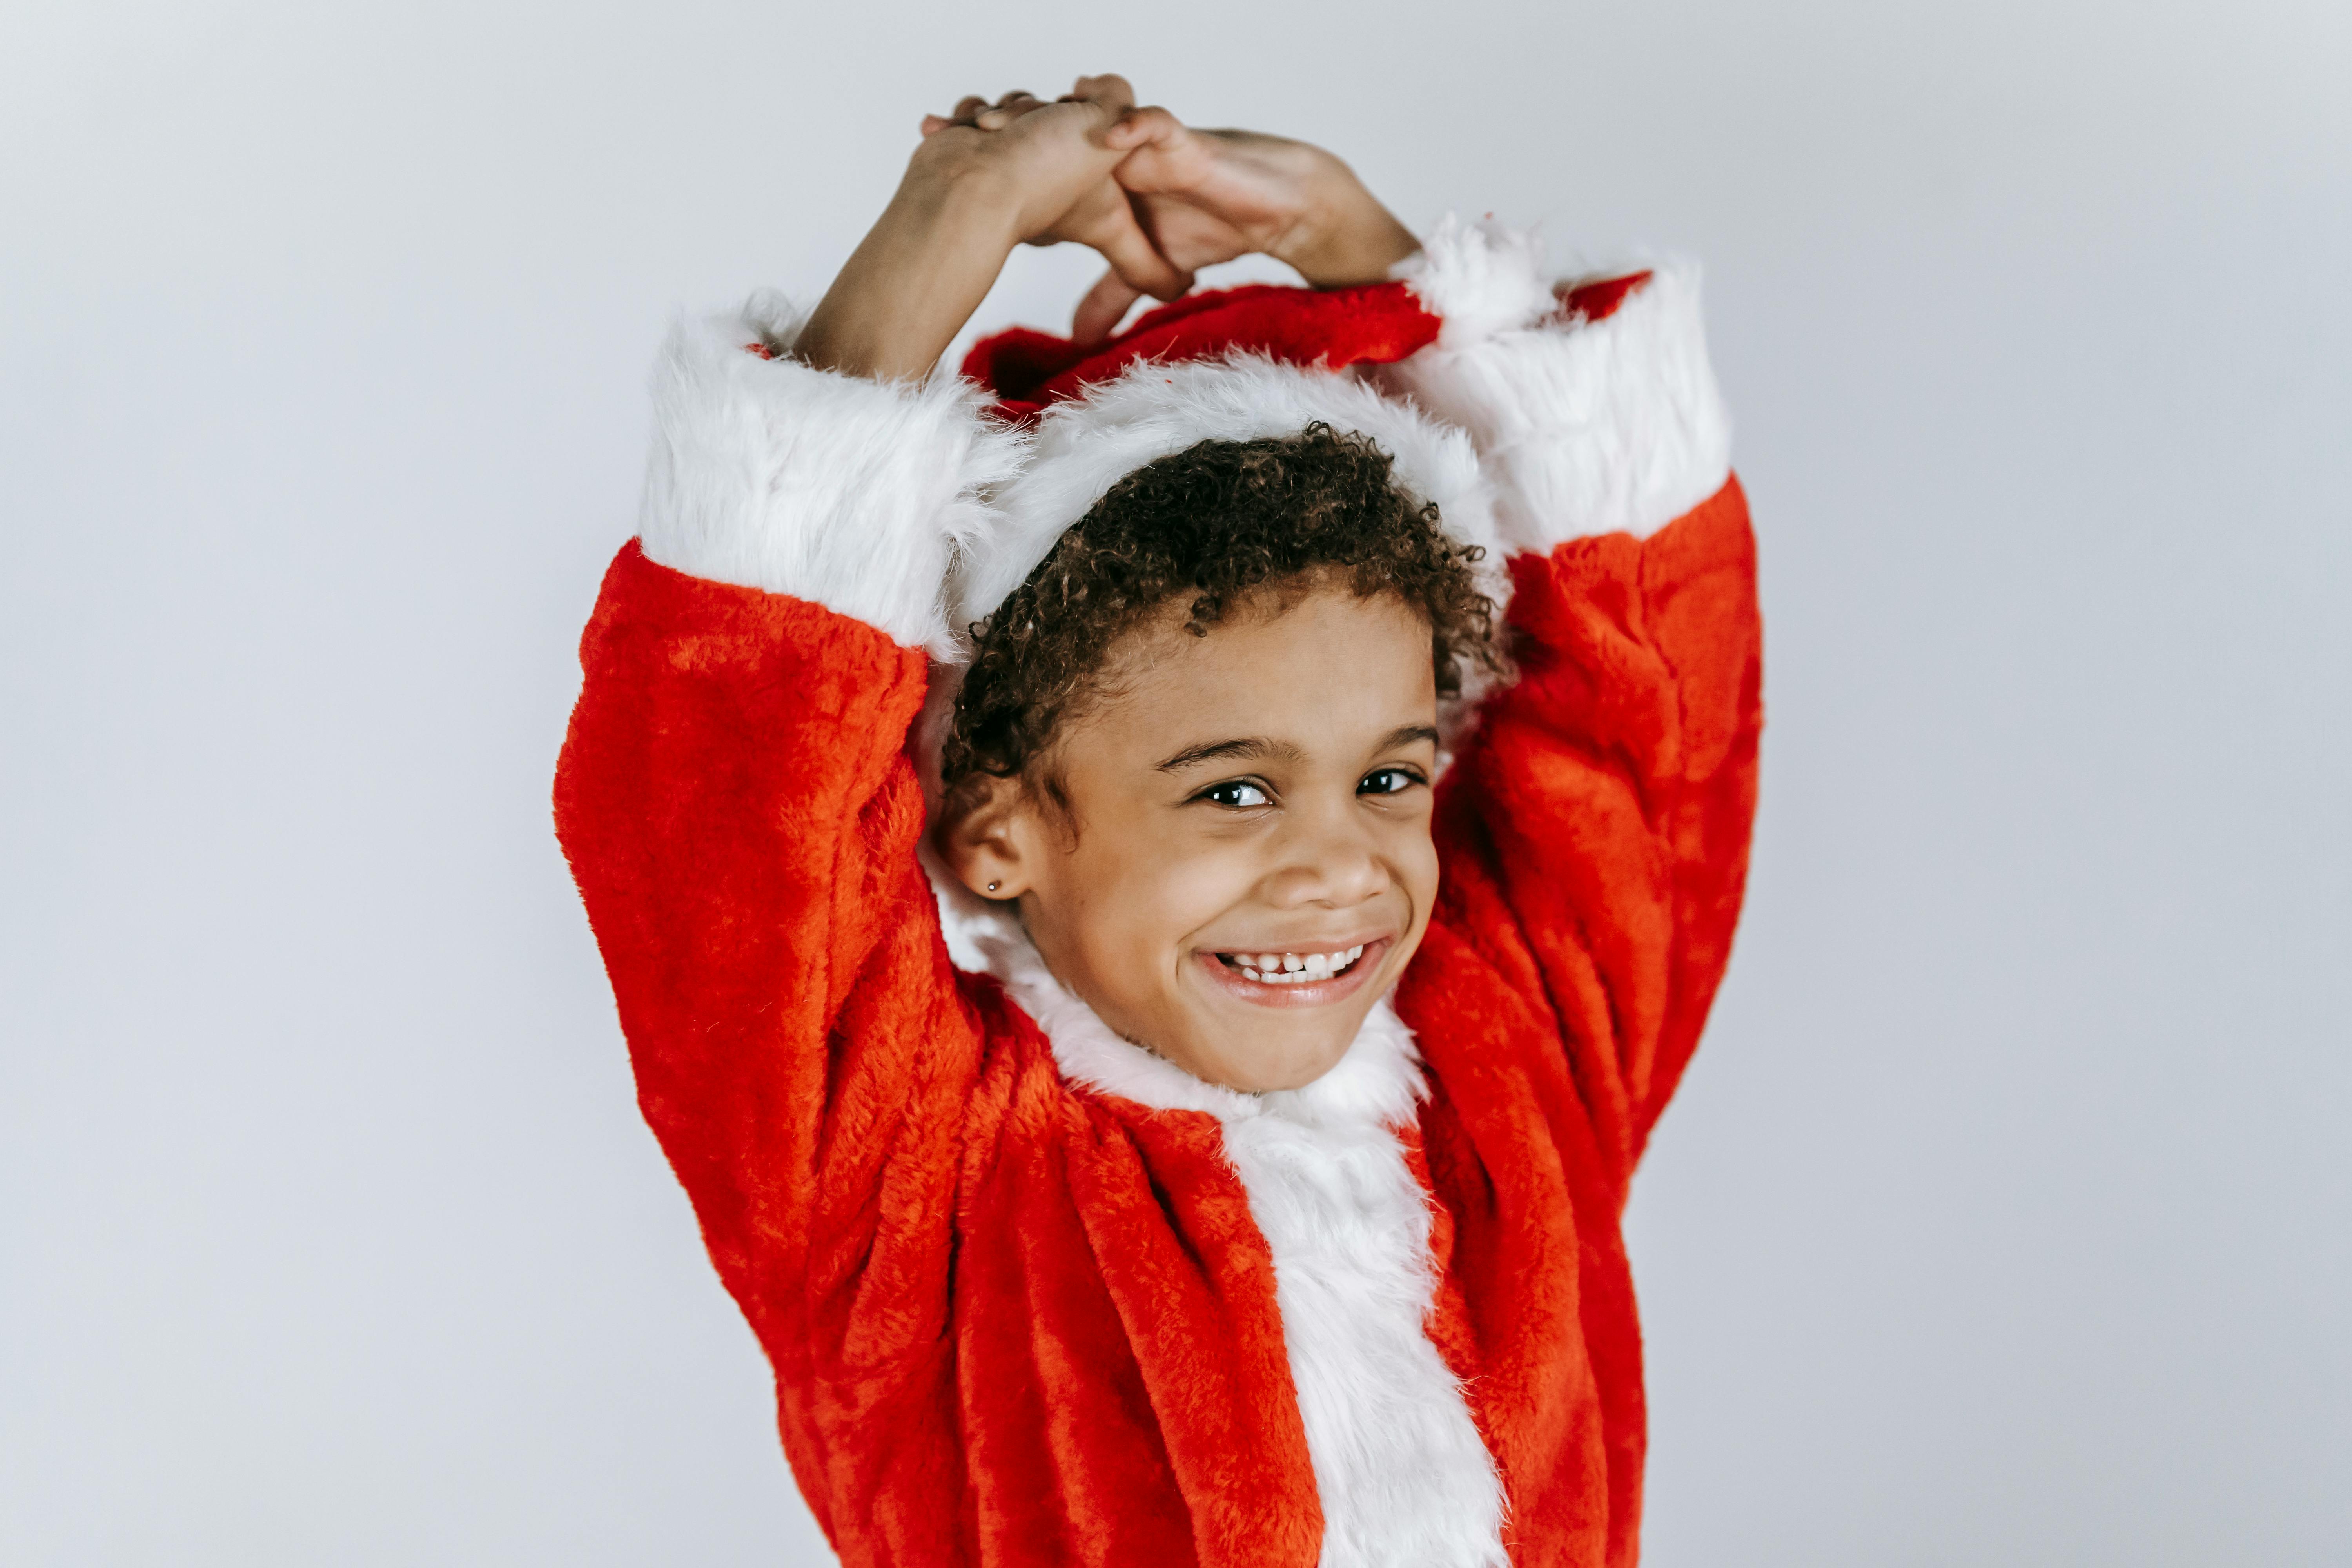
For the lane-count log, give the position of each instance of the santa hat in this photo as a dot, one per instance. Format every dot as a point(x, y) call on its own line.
point(1237, 365)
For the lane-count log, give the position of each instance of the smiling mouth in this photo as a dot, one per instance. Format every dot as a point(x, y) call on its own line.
point(1292, 968)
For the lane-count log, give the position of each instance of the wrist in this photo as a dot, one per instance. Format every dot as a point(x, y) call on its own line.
point(955, 200)
point(1345, 236)
point(919, 274)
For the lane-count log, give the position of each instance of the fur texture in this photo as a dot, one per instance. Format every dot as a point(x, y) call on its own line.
point(1587, 426)
point(1403, 1477)
point(1021, 1314)
point(1033, 1295)
point(854, 494)
point(1332, 329)
point(1479, 281)
point(1402, 1474)
point(1084, 445)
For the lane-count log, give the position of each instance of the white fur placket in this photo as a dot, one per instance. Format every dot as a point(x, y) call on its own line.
point(1404, 1479)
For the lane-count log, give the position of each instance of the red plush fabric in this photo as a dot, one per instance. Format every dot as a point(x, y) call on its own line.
point(1597, 299)
point(1013, 1322)
point(1379, 324)
point(1594, 845)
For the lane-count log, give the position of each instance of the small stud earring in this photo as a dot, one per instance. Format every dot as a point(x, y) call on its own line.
point(993, 886)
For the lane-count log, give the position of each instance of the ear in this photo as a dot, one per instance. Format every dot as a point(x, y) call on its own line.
point(986, 844)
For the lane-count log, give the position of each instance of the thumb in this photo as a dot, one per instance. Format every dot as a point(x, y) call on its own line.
point(1105, 306)
point(1152, 127)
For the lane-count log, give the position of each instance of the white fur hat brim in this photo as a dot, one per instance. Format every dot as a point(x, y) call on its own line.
point(1083, 447)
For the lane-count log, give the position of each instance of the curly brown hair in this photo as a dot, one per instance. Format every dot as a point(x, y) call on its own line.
point(1222, 521)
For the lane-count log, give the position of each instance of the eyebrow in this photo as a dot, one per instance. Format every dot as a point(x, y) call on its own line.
point(1253, 747)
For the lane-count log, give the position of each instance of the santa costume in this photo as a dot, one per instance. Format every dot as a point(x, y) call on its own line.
point(1032, 1294)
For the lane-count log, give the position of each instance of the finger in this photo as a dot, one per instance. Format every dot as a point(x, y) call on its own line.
point(1141, 128)
point(1110, 93)
point(1136, 260)
point(967, 106)
point(1007, 110)
point(1105, 306)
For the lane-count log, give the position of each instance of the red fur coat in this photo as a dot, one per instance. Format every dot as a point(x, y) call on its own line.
point(1032, 1295)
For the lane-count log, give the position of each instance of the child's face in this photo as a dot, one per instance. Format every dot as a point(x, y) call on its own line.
point(1238, 803)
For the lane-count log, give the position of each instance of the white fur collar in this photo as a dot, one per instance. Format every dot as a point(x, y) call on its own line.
point(1403, 1478)
point(1377, 1084)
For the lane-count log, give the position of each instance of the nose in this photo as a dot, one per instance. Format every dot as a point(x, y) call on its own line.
point(1329, 859)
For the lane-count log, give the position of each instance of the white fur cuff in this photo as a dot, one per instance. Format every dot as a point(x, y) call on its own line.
point(1588, 427)
point(856, 494)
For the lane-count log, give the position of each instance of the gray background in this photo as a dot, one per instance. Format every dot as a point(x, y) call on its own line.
point(2006, 1217)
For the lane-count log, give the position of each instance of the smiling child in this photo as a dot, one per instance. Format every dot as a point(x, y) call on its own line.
point(1157, 889)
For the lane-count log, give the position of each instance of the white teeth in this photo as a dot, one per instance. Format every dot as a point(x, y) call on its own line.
point(1292, 969)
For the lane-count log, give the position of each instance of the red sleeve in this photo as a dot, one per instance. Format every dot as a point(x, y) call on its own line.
point(741, 816)
point(1595, 826)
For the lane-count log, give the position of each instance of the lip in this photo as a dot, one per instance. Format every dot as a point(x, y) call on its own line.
point(1306, 992)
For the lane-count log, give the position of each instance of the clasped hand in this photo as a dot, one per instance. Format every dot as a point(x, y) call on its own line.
point(1156, 199)
point(1172, 199)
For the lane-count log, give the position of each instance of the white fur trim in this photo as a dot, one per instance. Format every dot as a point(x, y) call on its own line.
point(1404, 1479)
point(1084, 446)
point(1403, 1475)
point(772, 474)
point(1478, 280)
point(1586, 426)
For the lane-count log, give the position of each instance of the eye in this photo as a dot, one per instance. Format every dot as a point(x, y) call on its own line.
point(1388, 780)
point(1238, 794)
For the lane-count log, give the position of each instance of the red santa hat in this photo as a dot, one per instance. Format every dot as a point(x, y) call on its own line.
point(1236, 365)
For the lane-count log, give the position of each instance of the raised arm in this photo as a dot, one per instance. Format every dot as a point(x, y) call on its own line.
point(1600, 811)
point(736, 796)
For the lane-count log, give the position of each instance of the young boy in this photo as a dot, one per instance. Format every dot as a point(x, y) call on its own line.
point(1155, 998)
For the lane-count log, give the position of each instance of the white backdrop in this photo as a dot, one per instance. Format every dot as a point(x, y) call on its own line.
point(2007, 1214)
